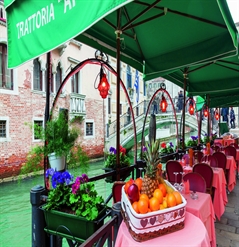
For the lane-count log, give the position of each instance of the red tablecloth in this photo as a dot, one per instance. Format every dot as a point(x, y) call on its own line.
point(220, 194)
point(227, 142)
point(231, 166)
point(203, 209)
point(194, 234)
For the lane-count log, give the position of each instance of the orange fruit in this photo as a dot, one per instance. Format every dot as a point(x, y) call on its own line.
point(163, 189)
point(135, 207)
point(171, 200)
point(178, 197)
point(154, 204)
point(138, 182)
point(159, 195)
point(127, 184)
point(144, 196)
point(143, 206)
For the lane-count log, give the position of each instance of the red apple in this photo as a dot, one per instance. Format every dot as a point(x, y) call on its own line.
point(133, 193)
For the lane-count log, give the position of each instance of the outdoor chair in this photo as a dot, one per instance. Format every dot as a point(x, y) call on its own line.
point(207, 173)
point(210, 159)
point(222, 161)
point(117, 191)
point(196, 182)
point(235, 145)
point(230, 150)
point(171, 167)
point(198, 156)
point(215, 147)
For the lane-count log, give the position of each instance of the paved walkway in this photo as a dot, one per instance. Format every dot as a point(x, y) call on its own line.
point(227, 229)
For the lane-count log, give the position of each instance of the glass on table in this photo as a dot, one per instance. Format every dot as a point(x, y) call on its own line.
point(194, 195)
point(176, 184)
point(181, 186)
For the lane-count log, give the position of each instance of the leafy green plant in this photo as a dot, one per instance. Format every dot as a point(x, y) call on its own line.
point(193, 141)
point(80, 198)
point(167, 148)
point(78, 158)
point(111, 158)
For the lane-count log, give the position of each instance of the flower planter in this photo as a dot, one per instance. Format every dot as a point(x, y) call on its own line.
point(165, 157)
point(111, 179)
point(72, 226)
point(56, 162)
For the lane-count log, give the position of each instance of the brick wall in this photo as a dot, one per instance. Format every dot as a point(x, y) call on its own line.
point(21, 109)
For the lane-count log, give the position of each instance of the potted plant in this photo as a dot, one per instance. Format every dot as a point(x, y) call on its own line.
point(166, 151)
point(192, 142)
point(73, 209)
point(60, 140)
point(110, 163)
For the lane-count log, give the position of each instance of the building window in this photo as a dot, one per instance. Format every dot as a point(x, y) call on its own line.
point(58, 77)
point(89, 129)
point(109, 105)
point(3, 129)
point(37, 75)
point(38, 126)
point(120, 109)
point(144, 88)
point(137, 111)
point(6, 75)
point(129, 77)
point(75, 83)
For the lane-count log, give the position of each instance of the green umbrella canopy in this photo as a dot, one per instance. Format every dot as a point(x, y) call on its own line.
point(218, 79)
point(156, 36)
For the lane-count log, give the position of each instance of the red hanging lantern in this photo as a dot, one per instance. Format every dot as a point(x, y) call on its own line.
point(216, 114)
point(163, 104)
point(191, 107)
point(103, 86)
point(205, 113)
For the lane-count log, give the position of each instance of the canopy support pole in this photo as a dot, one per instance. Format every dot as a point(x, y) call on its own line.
point(47, 110)
point(184, 106)
point(208, 118)
point(118, 32)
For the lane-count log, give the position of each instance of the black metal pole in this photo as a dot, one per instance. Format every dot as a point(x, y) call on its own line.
point(118, 32)
point(39, 236)
point(184, 106)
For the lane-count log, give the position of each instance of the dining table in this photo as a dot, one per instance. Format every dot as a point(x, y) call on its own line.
point(231, 167)
point(225, 142)
point(194, 234)
point(220, 194)
point(202, 207)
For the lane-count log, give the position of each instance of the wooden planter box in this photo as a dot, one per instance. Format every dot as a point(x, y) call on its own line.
point(71, 226)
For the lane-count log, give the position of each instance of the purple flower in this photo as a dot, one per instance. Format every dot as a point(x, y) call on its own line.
point(112, 150)
point(85, 178)
point(49, 172)
point(171, 144)
point(144, 149)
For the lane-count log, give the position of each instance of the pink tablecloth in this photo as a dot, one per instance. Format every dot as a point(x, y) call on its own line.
point(220, 194)
point(231, 167)
point(203, 209)
point(194, 234)
point(227, 142)
point(237, 158)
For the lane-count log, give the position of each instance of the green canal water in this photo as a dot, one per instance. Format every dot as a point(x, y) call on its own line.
point(15, 206)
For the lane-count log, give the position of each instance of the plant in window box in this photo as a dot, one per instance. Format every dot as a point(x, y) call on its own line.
point(75, 206)
point(110, 162)
point(192, 142)
point(60, 140)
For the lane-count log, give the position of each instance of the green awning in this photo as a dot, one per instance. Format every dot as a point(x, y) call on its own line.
point(157, 36)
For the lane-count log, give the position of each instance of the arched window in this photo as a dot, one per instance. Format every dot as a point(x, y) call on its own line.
point(6, 75)
point(75, 83)
point(129, 77)
point(58, 77)
point(37, 75)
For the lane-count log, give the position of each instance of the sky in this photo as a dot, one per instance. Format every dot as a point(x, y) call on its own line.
point(234, 8)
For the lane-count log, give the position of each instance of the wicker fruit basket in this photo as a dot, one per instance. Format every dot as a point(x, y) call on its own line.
point(143, 227)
